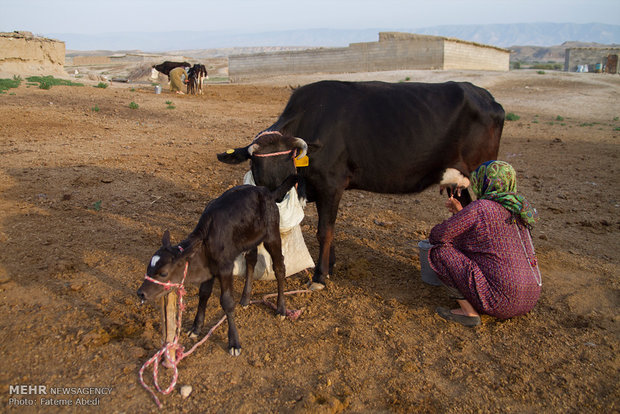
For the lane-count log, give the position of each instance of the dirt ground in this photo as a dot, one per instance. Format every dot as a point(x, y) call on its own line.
point(88, 185)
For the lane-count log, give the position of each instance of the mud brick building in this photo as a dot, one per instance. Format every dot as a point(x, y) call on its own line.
point(22, 53)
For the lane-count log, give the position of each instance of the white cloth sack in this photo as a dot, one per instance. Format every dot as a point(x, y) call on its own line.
point(296, 254)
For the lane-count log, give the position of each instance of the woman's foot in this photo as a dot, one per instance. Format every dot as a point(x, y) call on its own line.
point(458, 316)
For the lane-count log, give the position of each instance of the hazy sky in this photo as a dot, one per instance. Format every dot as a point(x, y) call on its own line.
point(108, 16)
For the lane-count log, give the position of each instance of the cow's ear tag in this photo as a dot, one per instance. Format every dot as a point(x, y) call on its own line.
point(302, 162)
point(230, 151)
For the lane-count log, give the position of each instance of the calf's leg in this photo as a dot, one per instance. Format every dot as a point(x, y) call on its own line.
point(203, 296)
point(250, 262)
point(274, 248)
point(228, 304)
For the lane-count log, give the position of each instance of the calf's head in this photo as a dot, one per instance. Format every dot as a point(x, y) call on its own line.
point(272, 157)
point(166, 265)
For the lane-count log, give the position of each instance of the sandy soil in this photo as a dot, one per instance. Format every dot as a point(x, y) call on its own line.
point(85, 196)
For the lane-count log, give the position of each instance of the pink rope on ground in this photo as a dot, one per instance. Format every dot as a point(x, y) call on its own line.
point(178, 349)
point(292, 314)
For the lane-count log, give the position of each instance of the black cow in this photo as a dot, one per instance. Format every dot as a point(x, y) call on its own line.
point(375, 136)
point(167, 66)
point(234, 223)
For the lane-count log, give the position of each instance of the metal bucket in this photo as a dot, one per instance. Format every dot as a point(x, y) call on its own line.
point(428, 274)
point(157, 89)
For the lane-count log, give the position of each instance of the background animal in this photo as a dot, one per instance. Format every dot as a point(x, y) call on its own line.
point(234, 223)
point(196, 76)
point(167, 66)
point(375, 136)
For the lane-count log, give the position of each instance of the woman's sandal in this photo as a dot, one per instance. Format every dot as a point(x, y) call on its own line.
point(469, 321)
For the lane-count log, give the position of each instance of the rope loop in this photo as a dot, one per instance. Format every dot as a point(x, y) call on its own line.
point(178, 349)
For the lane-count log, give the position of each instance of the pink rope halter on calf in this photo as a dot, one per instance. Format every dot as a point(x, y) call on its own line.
point(178, 349)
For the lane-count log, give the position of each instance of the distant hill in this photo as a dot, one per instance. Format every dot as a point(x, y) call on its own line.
point(502, 35)
point(533, 34)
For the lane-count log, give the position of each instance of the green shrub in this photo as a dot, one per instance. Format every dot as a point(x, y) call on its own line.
point(548, 66)
point(95, 108)
point(46, 82)
point(541, 72)
point(133, 105)
point(512, 117)
point(45, 85)
point(559, 118)
point(102, 85)
point(6, 84)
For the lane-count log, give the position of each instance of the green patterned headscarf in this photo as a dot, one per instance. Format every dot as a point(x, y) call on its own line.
point(497, 181)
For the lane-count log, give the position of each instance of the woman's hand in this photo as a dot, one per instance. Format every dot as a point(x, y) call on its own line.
point(453, 205)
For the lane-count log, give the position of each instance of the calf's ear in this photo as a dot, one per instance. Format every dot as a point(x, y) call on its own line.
point(165, 240)
point(234, 156)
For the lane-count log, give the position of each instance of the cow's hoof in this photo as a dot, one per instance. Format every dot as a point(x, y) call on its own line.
point(192, 335)
point(281, 317)
point(245, 306)
point(314, 286)
point(234, 351)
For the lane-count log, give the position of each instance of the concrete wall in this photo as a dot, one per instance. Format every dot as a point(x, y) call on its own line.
point(23, 54)
point(394, 51)
point(590, 56)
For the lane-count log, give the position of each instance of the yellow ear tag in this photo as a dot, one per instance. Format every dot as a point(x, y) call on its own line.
point(302, 162)
point(230, 151)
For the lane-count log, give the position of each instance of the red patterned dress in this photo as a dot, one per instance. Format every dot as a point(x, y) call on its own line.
point(479, 252)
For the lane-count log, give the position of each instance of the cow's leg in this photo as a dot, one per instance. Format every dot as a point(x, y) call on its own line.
point(332, 258)
point(274, 248)
point(228, 304)
point(250, 262)
point(327, 208)
point(203, 296)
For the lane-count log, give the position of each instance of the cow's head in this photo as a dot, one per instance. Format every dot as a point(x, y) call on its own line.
point(272, 157)
point(166, 265)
